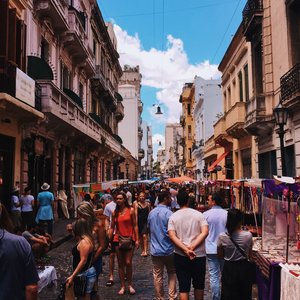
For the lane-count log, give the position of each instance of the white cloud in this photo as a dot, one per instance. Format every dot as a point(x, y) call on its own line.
point(165, 70)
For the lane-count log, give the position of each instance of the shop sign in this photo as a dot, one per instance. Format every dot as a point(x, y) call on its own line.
point(25, 88)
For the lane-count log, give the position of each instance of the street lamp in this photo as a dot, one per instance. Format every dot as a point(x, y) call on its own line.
point(127, 167)
point(281, 115)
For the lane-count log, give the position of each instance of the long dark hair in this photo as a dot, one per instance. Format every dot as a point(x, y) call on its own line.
point(117, 210)
point(5, 220)
point(234, 220)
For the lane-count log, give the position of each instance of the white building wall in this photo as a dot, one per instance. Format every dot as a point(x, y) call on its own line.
point(128, 127)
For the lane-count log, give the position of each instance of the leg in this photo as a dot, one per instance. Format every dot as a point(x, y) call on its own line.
point(214, 269)
point(145, 242)
point(183, 296)
point(50, 226)
point(112, 256)
point(184, 275)
point(121, 264)
point(169, 263)
point(198, 276)
point(158, 277)
point(128, 263)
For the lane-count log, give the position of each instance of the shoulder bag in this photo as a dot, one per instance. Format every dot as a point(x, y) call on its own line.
point(125, 242)
point(80, 281)
point(251, 264)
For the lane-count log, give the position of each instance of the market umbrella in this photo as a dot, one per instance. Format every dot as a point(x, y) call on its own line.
point(288, 181)
point(181, 179)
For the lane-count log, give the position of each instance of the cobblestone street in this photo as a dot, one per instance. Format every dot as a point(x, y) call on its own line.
point(61, 259)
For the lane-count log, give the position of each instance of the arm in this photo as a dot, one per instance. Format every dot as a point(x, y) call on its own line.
point(84, 248)
point(112, 227)
point(31, 292)
point(101, 239)
point(135, 226)
point(201, 237)
point(135, 207)
point(177, 242)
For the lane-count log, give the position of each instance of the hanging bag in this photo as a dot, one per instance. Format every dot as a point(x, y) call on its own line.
point(80, 281)
point(125, 242)
point(251, 264)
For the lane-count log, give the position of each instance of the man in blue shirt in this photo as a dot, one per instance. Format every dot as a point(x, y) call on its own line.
point(162, 248)
point(216, 218)
point(19, 276)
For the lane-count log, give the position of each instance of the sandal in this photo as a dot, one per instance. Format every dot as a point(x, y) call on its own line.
point(110, 282)
point(131, 290)
point(121, 291)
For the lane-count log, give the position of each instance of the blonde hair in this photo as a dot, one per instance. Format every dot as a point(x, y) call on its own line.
point(82, 229)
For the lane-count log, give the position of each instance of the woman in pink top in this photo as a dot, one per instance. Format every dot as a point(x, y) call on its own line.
point(124, 222)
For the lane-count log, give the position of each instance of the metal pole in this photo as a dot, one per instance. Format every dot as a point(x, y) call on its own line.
point(288, 227)
point(282, 150)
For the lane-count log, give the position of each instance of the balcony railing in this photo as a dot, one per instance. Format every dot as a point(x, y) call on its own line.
point(252, 16)
point(119, 114)
point(290, 86)
point(235, 119)
point(56, 10)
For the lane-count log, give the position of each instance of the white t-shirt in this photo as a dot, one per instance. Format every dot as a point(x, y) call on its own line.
point(109, 209)
point(187, 223)
point(26, 203)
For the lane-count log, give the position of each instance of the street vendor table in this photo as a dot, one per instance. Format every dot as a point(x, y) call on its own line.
point(47, 275)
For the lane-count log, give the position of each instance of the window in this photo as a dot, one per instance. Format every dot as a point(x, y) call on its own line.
point(189, 132)
point(240, 76)
point(189, 109)
point(66, 79)
point(81, 91)
point(246, 82)
point(190, 153)
point(44, 50)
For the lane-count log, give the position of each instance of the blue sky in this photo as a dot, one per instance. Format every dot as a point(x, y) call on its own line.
point(172, 41)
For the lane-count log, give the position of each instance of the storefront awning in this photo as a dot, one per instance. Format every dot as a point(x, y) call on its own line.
point(74, 97)
point(39, 69)
point(217, 161)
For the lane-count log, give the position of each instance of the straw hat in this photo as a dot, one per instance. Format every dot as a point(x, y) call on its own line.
point(45, 186)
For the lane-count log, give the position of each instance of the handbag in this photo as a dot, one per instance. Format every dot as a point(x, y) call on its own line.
point(80, 281)
point(251, 264)
point(125, 242)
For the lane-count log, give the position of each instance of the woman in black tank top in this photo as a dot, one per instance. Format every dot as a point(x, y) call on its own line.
point(83, 254)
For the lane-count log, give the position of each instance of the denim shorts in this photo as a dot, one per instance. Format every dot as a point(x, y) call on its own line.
point(90, 279)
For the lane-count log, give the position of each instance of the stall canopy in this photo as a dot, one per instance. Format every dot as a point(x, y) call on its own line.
point(217, 161)
point(181, 179)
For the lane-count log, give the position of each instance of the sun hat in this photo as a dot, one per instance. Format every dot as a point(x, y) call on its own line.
point(45, 186)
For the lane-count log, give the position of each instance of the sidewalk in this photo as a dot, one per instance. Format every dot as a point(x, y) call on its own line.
point(60, 234)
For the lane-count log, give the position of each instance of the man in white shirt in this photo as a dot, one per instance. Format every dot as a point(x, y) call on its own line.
point(108, 211)
point(188, 229)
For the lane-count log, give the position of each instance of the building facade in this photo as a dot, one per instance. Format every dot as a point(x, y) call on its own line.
point(130, 128)
point(206, 109)
point(174, 149)
point(187, 100)
point(59, 96)
point(146, 145)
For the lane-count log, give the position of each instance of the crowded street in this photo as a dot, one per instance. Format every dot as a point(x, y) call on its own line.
point(149, 149)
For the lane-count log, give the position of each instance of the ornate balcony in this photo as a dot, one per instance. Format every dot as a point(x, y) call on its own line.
point(75, 40)
point(220, 135)
point(257, 122)
point(182, 120)
point(290, 87)
point(53, 11)
point(235, 120)
point(141, 154)
point(197, 148)
point(252, 18)
point(140, 131)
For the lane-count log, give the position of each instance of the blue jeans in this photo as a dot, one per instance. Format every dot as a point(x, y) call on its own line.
point(215, 267)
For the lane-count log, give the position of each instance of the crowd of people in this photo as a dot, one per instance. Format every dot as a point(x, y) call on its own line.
point(182, 241)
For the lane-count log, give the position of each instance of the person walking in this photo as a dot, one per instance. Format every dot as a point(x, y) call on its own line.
point(19, 276)
point(142, 209)
point(216, 218)
point(188, 229)
point(124, 220)
point(27, 204)
point(16, 208)
point(82, 254)
point(45, 203)
point(161, 247)
point(236, 281)
point(85, 210)
point(109, 208)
